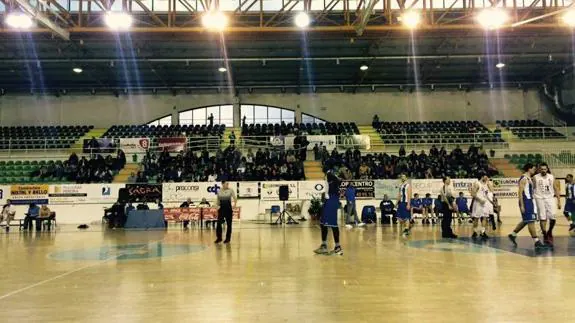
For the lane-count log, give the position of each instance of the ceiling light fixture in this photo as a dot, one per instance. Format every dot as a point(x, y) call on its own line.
point(302, 20)
point(77, 70)
point(569, 18)
point(222, 69)
point(492, 18)
point(118, 20)
point(18, 20)
point(500, 65)
point(410, 19)
point(215, 21)
point(364, 67)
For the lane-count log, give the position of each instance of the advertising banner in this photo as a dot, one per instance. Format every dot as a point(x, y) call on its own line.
point(27, 194)
point(179, 192)
point(505, 188)
point(463, 185)
point(142, 192)
point(329, 141)
point(68, 193)
point(386, 186)
point(355, 141)
point(310, 189)
point(4, 194)
point(278, 141)
point(103, 193)
point(172, 144)
point(270, 190)
point(182, 214)
point(363, 188)
point(424, 186)
point(211, 213)
point(248, 189)
point(134, 145)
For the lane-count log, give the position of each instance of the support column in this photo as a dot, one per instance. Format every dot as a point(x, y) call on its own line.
point(175, 116)
point(297, 114)
point(237, 112)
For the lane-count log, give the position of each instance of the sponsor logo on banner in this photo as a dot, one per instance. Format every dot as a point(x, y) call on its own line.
point(172, 144)
point(179, 192)
point(329, 141)
point(277, 141)
point(270, 190)
point(27, 194)
point(248, 189)
point(462, 185)
point(72, 193)
point(363, 188)
point(142, 193)
point(505, 188)
point(424, 186)
point(386, 186)
point(134, 145)
point(310, 189)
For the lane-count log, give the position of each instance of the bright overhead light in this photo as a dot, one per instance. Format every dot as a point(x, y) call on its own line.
point(569, 18)
point(492, 18)
point(18, 20)
point(364, 67)
point(302, 20)
point(410, 19)
point(500, 65)
point(118, 20)
point(77, 70)
point(222, 69)
point(215, 20)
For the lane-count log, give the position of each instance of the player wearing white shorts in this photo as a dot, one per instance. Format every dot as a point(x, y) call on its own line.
point(547, 199)
point(479, 203)
point(488, 210)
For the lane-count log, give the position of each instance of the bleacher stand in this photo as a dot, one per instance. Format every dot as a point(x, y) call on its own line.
point(41, 137)
point(435, 132)
point(530, 129)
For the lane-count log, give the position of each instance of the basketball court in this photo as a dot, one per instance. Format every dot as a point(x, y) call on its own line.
point(270, 274)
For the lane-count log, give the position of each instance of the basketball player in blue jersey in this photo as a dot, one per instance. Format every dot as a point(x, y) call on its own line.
point(569, 210)
point(403, 206)
point(526, 206)
point(329, 216)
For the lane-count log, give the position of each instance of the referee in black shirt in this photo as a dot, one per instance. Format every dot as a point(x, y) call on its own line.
point(225, 211)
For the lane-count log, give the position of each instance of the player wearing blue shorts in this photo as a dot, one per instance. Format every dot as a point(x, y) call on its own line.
point(527, 207)
point(329, 216)
point(569, 210)
point(403, 206)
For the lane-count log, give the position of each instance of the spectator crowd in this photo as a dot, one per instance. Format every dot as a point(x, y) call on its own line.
point(435, 164)
point(228, 164)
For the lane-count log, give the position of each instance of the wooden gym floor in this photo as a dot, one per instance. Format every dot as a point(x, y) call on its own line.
point(270, 274)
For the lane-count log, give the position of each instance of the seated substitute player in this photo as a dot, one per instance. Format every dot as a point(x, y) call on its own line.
point(462, 208)
point(428, 210)
point(416, 206)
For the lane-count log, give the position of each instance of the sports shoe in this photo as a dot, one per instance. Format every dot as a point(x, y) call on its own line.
point(405, 233)
point(218, 241)
point(349, 226)
point(337, 251)
point(513, 239)
point(539, 245)
point(361, 224)
point(226, 241)
point(474, 235)
point(484, 236)
point(550, 237)
point(572, 227)
point(322, 250)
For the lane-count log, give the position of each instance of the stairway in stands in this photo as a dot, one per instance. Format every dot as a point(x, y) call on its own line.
point(122, 176)
point(226, 140)
point(376, 142)
point(504, 166)
point(96, 132)
point(313, 170)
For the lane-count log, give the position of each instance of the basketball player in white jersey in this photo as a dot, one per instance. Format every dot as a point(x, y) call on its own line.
point(547, 199)
point(489, 211)
point(479, 203)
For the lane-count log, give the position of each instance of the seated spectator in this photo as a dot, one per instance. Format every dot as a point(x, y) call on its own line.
point(387, 209)
point(7, 214)
point(32, 215)
point(141, 178)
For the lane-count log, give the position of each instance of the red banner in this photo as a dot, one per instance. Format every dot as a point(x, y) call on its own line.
point(195, 213)
point(172, 144)
point(182, 214)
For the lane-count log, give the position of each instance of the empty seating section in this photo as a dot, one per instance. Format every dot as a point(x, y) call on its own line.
point(340, 128)
point(137, 131)
point(530, 129)
point(26, 171)
point(522, 159)
point(44, 137)
point(435, 132)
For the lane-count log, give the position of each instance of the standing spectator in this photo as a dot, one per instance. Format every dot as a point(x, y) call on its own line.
point(187, 204)
point(232, 138)
point(244, 121)
point(7, 214)
point(351, 207)
point(211, 119)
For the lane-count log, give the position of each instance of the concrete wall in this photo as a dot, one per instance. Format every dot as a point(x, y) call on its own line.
point(105, 110)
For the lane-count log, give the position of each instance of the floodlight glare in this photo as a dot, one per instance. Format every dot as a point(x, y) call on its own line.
point(492, 18)
point(364, 67)
point(222, 69)
point(77, 70)
point(18, 20)
point(215, 20)
point(569, 18)
point(500, 65)
point(411, 19)
point(302, 20)
point(118, 20)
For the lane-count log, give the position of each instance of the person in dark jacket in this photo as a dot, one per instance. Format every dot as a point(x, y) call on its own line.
point(387, 209)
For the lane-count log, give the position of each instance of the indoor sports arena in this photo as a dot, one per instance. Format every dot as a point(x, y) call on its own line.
point(287, 160)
